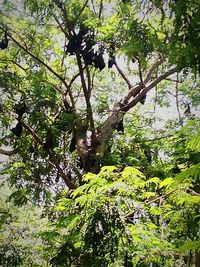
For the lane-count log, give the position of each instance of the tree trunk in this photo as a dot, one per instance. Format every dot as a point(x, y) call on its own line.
point(197, 258)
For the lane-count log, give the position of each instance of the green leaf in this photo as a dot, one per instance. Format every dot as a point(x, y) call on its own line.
point(166, 182)
point(190, 245)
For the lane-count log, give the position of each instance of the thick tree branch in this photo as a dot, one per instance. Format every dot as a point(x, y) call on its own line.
point(137, 88)
point(148, 88)
point(87, 97)
point(132, 92)
point(106, 129)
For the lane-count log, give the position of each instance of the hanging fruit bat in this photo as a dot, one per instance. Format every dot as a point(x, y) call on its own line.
point(111, 61)
point(20, 109)
point(99, 61)
point(4, 42)
point(17, 130)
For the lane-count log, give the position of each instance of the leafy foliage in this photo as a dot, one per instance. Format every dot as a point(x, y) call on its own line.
point(83, 85)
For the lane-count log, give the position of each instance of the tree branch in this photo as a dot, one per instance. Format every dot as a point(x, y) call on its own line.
point(81, 11)
point(52, 157)
point(145, 90)
point(87, 98)
point(74, 78)
point(89, 81)
point(100, 9)
point(151, 70)
point(106, 129)
point(18, 65)
point(123, 75)
point(177, 99)
point(132, 92)
point(61, 27)
point(153, 139)
point(40, 61)
point(140, 74)
point(137, 88)
point(7, 152)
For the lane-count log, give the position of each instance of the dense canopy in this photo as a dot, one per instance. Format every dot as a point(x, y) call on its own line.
point(100, 133)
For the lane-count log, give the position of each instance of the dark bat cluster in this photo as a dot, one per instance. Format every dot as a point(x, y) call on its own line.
point(83, 43)
point(20, 110)
point(4, 42)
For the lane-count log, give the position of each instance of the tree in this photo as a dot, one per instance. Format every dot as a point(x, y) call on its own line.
point(21, 244)
point(71, 73)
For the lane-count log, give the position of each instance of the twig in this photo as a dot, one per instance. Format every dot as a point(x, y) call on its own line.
point(156, 92)
point(17, 64)
point(74, 78)
point(61, 27)
point(140, 74)
point(154, 139)
point(93, 5)
point(89, 81)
